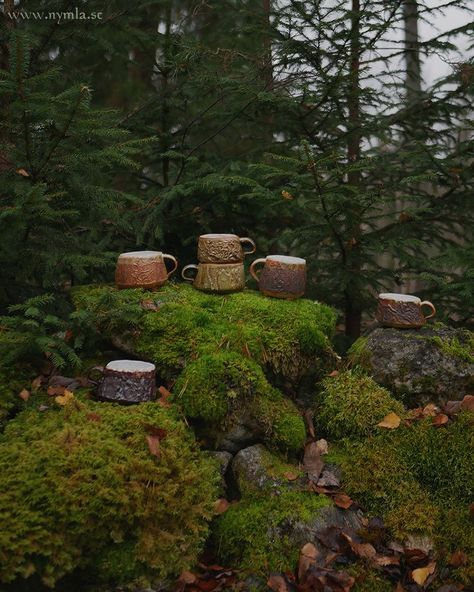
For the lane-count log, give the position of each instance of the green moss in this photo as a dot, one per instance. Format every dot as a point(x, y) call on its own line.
point(12, 381)
point(358, 355)
point(454, 347)
point(367, 580)
point(456, 533)
point(252, 532)
point(77, 483)
point(352, 404)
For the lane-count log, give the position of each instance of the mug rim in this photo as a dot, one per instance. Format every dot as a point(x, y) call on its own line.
point(130, 366)
point(395, 297)
point(218, 235)
point(286, 259)
point(140, 254)
point(214, 264)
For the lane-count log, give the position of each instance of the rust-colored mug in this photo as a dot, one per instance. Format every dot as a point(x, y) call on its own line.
point(223, 248)
point(220, 278)
point(402, 311)
point(127, 381)
point(281, 276)
point(143, 269)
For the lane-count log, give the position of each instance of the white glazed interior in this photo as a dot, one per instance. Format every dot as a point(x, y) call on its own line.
point(141, 255)
point(287, 259)
point(399, 297)
point(219, 236)
point(130, 366)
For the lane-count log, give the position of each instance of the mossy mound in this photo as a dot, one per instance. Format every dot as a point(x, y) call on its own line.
point(258, 533)
point(288, 338)
point(227, 354)
point(420, 479)
point(12, 382)
point(351, 404)
point(79, 488)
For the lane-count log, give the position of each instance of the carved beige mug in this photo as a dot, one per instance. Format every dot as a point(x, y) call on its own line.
point(220, 278)
point(143, 269)
point(223, 248)
point(402, 311)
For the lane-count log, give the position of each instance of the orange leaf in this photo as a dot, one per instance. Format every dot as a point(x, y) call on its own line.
point(65, 398)
point(343, 501)
point(24, 395)
point(221, 506)
point(458, 558)
point(390, 421)
point(421, 574)
point(440, 420)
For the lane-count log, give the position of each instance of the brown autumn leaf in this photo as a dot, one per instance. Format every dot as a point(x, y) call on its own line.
point(343, 501)
point(467, 404)
point(312, 462)
point(390, 421)
point(384, 560)
point(277, 583)
point(440, 420)
point(290, 476)
point(221, 506)
point(65, 398)
point(22, 172)
point(55, 391)
point(333, 373)
point(155, 431)
point(187, 577)
point(421, 574)
point(430, 410)
point(36, 383)
point(24, 395)
point(308, 557)
point(457, 559)
point(153, 445)
point(164, 392)
point(95, 417)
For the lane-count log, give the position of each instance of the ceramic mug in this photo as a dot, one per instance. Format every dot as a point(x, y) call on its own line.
point(220, 278)
point(223, 248)
point(281, 276)
point(402, 311)
point(143, 269)
point(127, 381)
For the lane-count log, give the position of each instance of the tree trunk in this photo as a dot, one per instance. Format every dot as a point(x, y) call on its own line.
point(268, 65)
point(412, 52)
point(353, 311)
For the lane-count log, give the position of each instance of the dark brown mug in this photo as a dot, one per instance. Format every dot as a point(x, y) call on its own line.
point(281, 276)
point(223, 248)
point(220, 278)
point(143, 269)
point(402, 311)
point(127, 381)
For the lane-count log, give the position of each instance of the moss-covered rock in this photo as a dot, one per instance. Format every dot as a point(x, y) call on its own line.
point(264, 533)
point(351, 404)
point(434, 363)
point(79, 488)
point(420, 479)
point(227, 354)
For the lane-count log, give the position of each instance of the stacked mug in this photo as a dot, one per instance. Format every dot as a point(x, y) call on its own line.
point(221, 263)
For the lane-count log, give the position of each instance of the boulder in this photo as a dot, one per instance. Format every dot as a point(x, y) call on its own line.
point(434, 363)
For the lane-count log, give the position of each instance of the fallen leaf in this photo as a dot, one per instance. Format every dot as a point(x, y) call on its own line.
point(155, 431)
point(430, 410)
point(440, 420)
point(153, 445)
point(277, 583)
point(149, 305)
point(164, 392)
point(384, 560)
point(467, 404)
point(22, 172)
point(24, 395)
point(452, 407)
point(458, 559)
point(187, 577)
point(308, 557)
point(342, 501)
point(290, 476)
point(54, 391)
point(390, 421)
point(221, 506)
point(312, 461)
point(95, 417)
point(421, 574)
point(333, 373)
point(65, 398)
point(36, 383)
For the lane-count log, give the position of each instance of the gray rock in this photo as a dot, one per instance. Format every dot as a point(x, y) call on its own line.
point(256, 469)
point(223, 458)
point(434, 363)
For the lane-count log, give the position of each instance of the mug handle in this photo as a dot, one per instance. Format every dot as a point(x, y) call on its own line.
point(188, 279)
point(433, 309)
point(173, 259)
point(253, 271)
point(253, 246)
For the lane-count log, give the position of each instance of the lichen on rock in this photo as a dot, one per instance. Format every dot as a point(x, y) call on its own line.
point(434, 363)
point(80, 488)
